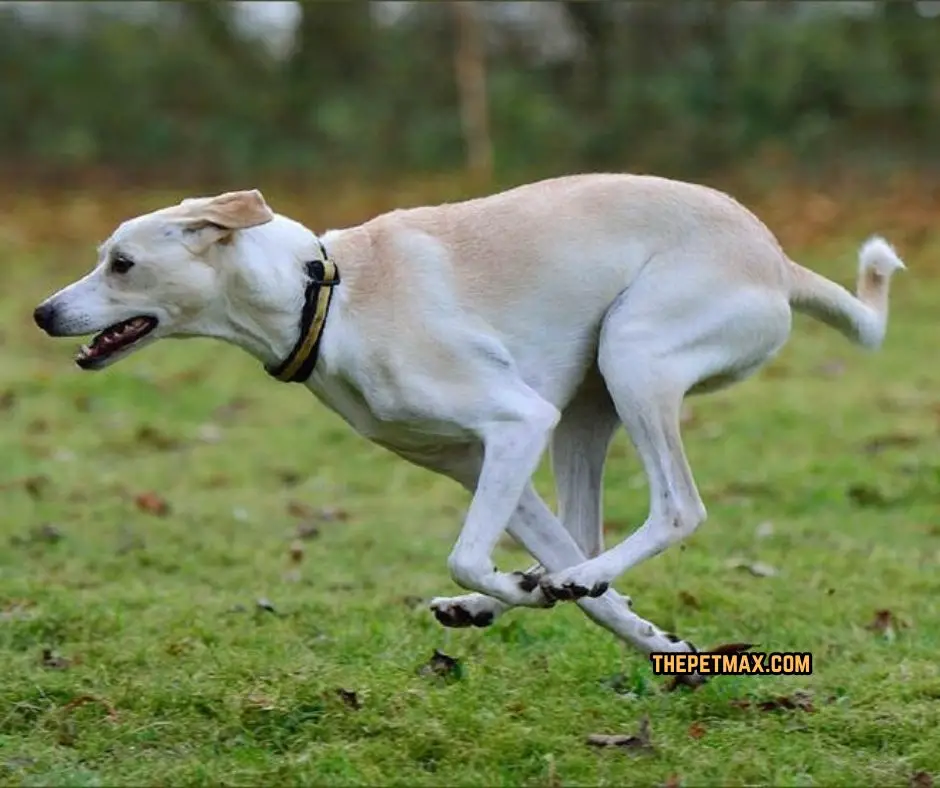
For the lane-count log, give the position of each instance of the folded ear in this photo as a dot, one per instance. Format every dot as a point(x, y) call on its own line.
point(213, 219)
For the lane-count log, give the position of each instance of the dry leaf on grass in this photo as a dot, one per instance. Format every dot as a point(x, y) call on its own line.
point(53, 661)
point(689, 600)
point(442, 666)
point(921, 780)
point(672, 781)
point(35, 486)
point(350, 698)
point(639, 743)
point(299, 509)
point(81, 700)
point(798, 701)
point(289, 477)
point(151, 436)
point(296, 552)
point(152, 503)
point(885, 623)
point(307, 531)
point(696, 730)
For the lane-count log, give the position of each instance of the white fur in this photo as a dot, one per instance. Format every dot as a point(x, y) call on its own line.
point(467, 338)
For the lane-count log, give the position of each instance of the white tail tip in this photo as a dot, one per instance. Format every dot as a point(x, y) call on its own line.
point(878, 255)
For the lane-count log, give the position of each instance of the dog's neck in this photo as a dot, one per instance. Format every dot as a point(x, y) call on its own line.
point(264, 297)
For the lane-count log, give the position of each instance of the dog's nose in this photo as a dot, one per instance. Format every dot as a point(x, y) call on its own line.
point(44, 315)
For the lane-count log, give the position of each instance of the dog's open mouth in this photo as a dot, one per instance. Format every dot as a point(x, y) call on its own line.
point(113, 340)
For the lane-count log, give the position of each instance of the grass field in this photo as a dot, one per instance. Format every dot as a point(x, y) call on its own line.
point(206, 578)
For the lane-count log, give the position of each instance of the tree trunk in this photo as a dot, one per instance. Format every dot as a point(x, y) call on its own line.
point(470, 66)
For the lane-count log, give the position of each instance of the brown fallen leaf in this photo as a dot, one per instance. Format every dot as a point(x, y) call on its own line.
point(442, 666)
point(689, 600)
point(299, 509)
point(37, 426)
point(288, 477)
point(696, 730)
point(672, 781)
point(35, 486)
point(332, 514)
point(921, 780)
point(152, 503)
point(81, 700)
point(798, 701)
point(885, 623)
point(53, 661)
point(151, 436)
point(307, 531)
point(350, 698)
point(637, 744)
point(296, 552)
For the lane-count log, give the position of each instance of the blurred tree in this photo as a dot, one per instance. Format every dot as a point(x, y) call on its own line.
point(213, 22)
point(470, 64)
point(331, 54)
point(913, 40)
point(593, 21)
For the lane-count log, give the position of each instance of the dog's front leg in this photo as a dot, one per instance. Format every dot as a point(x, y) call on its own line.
point(512, 448)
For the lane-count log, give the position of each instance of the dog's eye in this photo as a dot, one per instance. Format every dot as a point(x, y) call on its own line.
point(121, 264)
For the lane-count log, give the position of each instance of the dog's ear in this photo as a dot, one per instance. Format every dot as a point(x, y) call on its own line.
point(209, 220)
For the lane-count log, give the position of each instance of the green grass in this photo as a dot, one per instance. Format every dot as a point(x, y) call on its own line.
point(159, 620)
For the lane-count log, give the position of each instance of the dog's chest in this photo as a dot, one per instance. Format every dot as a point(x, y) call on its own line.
point(401, 432)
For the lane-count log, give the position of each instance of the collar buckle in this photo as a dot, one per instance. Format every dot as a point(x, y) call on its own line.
point(322, 278)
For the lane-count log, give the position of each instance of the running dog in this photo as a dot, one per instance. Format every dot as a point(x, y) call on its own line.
point(469, 337)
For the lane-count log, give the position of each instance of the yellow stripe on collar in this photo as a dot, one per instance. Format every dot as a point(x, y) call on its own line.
point(323, 276)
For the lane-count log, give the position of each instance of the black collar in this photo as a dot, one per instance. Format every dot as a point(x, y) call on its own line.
point(322, 278)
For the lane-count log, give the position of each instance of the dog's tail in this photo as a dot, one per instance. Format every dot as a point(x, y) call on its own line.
point(863, 318)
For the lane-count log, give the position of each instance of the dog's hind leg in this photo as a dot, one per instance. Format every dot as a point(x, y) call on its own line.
point(650, 357)
point(578, 449)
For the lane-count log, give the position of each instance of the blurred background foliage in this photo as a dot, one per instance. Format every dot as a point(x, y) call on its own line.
point(205, 90)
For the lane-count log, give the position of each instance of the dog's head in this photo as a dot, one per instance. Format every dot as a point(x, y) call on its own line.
point(161, 274)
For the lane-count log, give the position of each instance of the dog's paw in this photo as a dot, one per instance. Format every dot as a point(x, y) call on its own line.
point(564, 587)
point(528, 581)
point(469, 610)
